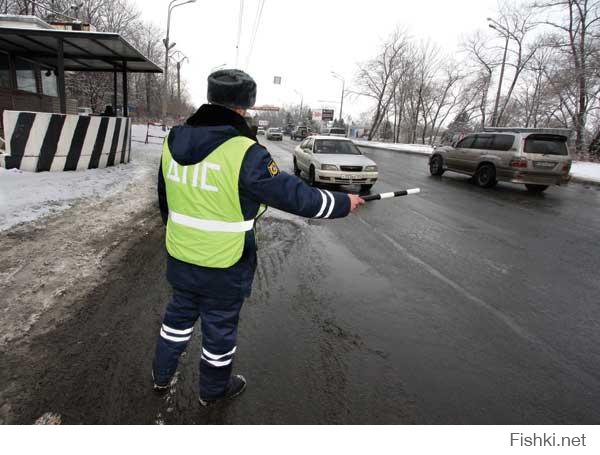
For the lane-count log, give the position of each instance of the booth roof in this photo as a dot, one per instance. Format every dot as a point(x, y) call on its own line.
point(83, 51)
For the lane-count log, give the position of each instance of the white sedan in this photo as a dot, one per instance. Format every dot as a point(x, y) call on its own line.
point(334, 160)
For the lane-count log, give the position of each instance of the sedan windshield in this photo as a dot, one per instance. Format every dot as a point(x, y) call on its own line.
point(331, 147)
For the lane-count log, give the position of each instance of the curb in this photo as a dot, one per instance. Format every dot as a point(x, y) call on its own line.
point(584, 181)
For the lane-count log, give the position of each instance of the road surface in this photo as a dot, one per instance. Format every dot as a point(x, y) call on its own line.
point(458, 305)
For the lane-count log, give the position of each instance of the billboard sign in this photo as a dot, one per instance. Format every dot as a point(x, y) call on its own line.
point(327, 115)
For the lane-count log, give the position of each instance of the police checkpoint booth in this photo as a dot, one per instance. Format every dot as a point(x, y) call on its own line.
point(43, 130)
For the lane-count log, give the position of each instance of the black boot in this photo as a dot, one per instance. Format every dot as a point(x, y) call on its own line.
point(160, 389)
point(237, 385)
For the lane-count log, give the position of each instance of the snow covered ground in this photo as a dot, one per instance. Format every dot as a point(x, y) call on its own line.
point(407, 148)
point(26, 196)
point(589, 172)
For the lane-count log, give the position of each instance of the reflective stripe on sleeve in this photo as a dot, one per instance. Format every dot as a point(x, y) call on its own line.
point(323, 205)
point(332, 204)
point(211, 225)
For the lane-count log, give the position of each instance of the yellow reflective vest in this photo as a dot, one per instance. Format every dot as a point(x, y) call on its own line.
point(206, 226)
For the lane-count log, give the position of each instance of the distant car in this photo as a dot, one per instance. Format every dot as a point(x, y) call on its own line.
point(338, 132)
point(333, 160)
point(84, 111)
point(536, 158)
point(300, 132)
point(260, 130)
point(274, 134)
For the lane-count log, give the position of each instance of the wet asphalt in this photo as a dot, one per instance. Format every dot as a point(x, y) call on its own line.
point(485, 302)
point(458, 305)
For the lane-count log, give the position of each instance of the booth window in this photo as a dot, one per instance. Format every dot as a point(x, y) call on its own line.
point(26, 76)
point(49, 84)
point(4, 71)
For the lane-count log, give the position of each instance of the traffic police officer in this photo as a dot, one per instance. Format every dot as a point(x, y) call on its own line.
point(214, 181)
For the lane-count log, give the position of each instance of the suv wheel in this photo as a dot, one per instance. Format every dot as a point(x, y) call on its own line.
point(536, 188)
point(436, 166)
point(485, 176)
point(311, 176)
point(296, 168)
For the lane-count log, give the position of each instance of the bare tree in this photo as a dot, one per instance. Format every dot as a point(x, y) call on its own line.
point(576, 24)
point(515, 24)
point(482, 58)
point(375, 77)
point(449, 96)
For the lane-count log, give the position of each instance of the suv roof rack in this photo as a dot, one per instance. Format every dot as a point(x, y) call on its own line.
point(561, 131)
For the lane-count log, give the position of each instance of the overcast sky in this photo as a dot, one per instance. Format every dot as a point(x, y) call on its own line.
point(304, 40)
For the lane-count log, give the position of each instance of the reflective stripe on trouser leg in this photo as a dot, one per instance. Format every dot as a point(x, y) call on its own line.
point(219, 319)
point(174, 334)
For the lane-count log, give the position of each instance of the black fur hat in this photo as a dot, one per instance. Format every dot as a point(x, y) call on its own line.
point(231, 88)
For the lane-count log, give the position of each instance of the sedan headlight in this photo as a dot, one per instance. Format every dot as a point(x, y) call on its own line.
point(370, 168)
point(329, 167)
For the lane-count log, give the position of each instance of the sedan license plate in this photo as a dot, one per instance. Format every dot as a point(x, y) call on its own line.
point(544, 164)
point(350, 176)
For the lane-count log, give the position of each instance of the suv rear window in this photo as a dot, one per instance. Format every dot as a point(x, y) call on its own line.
point(546, 144)
point(337, 131)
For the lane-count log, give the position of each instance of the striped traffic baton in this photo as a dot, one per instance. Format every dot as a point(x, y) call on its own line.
point(377, 197)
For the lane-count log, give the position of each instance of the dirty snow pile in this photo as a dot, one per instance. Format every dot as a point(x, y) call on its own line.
point(26, 196)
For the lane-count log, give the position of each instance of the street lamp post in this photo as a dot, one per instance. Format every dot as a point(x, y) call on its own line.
point(179, 63)
point(301, 102)
point(338, 77)
point(168, 47)
point(506, 34)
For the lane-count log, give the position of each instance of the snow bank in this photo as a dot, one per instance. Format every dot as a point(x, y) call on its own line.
point(419, 149)
point(26, 196)
point(589, 172)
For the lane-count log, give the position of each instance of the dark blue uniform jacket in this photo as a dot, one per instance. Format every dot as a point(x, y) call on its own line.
point(260, 182)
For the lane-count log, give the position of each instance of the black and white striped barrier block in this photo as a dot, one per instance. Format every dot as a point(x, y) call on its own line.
point(377, 197)
point(38, 141)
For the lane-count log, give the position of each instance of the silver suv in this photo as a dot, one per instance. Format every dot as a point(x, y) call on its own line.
point(536, 158)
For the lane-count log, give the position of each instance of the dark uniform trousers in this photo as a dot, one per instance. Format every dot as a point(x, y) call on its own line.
point(219, 321)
